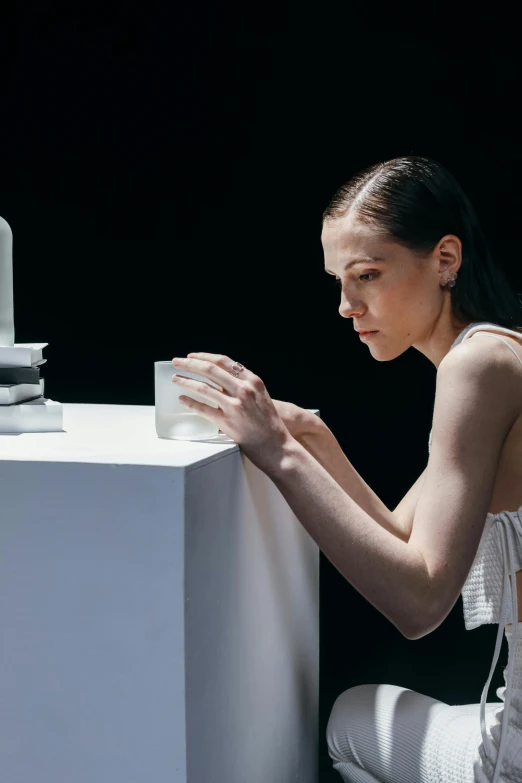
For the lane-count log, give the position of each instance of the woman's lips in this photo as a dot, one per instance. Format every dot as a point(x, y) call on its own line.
point(367, 335)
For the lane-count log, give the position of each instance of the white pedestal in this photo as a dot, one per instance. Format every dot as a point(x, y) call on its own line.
point(159, 611)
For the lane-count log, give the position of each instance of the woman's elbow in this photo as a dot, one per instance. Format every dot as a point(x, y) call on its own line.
point(422, 620)
point(418, 625)
point(417, 631)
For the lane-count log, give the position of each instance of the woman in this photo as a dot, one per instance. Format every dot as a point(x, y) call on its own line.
point(405, 244)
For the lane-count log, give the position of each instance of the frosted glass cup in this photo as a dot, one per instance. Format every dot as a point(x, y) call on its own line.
point(174, 421)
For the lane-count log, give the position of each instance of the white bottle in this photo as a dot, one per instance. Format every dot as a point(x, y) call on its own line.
point(6, 284)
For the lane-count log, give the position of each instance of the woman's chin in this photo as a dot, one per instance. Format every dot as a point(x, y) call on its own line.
point(383, 353)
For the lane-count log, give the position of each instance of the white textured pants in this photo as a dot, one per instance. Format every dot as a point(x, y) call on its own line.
point(388, 734)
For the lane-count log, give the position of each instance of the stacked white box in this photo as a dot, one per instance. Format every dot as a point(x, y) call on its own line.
point(23, 407)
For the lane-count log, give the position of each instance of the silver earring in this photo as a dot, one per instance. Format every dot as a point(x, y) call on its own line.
point(450, 281)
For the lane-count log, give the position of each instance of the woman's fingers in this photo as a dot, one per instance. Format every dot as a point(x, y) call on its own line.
point(221, 369)
point(215, 358)
point(218, 359)
point(209, 370)
point(203, 389)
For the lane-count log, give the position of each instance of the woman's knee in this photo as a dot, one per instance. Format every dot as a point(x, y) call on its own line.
point(350, 714)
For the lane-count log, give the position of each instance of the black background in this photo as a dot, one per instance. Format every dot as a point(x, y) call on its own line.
point(164, 170)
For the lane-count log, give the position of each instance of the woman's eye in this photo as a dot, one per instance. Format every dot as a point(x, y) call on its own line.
point(361, 277)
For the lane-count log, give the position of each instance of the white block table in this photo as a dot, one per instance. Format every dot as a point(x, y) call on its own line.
point(159, 612)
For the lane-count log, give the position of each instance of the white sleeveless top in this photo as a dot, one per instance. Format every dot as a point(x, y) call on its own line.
point(487, 594)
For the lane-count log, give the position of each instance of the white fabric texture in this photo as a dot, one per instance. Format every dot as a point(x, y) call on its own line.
point(389, 734)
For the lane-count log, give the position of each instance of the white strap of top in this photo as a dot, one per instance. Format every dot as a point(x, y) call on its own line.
point(498, 337)
point(503, 521)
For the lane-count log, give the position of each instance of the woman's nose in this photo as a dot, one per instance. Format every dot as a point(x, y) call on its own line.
point(349, 308)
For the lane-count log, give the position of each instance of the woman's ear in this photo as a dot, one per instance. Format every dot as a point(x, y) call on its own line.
point(449, 251)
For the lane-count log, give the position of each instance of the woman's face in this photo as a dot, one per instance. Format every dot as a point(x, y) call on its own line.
point(386, 287)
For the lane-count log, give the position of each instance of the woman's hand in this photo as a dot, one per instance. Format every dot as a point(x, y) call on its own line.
point(245, 412)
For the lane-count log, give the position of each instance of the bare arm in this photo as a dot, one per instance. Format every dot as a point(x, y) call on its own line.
point(321, 443)
point(415, 583)
point(384, 568)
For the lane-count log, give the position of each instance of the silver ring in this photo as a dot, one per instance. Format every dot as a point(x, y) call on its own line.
point(237, 368)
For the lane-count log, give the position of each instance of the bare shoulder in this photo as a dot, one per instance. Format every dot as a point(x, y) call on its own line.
point(483, 355)
point(486, 376)
point(478, 380)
